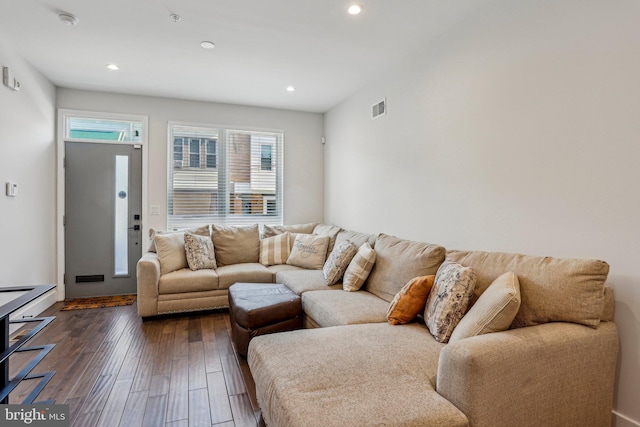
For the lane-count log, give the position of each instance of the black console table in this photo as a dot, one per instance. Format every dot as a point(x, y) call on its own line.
point(18, 297)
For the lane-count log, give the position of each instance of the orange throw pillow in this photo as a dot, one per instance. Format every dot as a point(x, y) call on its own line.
point(410, 301)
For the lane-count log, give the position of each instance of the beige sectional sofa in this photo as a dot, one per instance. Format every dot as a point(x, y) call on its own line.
point(555, 365)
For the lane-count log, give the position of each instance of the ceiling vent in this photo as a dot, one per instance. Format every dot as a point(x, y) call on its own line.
point(379, 108)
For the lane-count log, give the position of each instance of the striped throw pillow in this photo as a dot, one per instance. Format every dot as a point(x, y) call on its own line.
point(275, 250)
point(359, 268)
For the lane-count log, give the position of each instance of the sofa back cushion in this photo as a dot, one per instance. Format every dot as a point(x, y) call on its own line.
point(201, 231)
point(356, 238)
point(551, 289)
point(235, 245)
point(274, 230)
point(328, 230)
point(398, 261)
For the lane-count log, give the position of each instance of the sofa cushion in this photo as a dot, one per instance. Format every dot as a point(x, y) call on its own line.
point(338, 261)
point(449, 299)
point(359, 268)
point(274, 230)
point(186, 280)
point(171, 252)
point(350, 376)
point(283, 267)
point(275, 250)
point(201, 231)
point(398, 261)
point(493, 312)
point(410, 301)
point(356, 238)
point(309, 251)
point(235, 245)
point(251, 272)
point(302, 280)
point(551, 289)
point(199, 251)
point(329, 308)
point(328, 230)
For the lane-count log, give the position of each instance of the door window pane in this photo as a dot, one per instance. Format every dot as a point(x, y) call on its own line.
point(121, 247)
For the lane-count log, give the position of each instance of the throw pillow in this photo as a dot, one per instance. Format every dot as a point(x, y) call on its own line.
point(199, 251)
point(338, 261)
point(275, 250)
point(236, 245)
point(309, 251)
point(410, 301)
point(359, 268)
point(171, 253)
point(494, 311)
point(449, 299)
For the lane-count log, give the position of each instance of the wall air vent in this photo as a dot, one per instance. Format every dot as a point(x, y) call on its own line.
point(379, 108)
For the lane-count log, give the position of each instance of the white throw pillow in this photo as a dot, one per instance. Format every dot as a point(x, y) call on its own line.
point(309, 251)
point(494, 311)
point(359, 268)
point(171, 253)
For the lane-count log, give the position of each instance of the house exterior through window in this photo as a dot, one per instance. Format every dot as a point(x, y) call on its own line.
point(223, 176)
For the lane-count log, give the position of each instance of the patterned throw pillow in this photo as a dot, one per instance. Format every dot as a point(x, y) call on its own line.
point(309, 251)
point(338, 261)
point(410, 301)
point(359, 268)
point(449, 299)
point(275, 250)
point(199, 251)
point(494, 311)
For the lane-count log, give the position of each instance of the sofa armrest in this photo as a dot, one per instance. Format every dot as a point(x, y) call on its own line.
point(148, 276)
point(556, 374)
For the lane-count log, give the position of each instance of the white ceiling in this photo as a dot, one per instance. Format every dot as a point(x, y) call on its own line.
point(262, 46)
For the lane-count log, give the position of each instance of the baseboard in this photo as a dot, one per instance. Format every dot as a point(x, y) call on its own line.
point(619, 420)
point(33, 309)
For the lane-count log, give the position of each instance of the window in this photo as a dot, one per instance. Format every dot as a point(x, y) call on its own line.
point(212, 156)
point(103, 129)
point(234, 177)
point(265, 157)
point(177, 152)
point(194, 153)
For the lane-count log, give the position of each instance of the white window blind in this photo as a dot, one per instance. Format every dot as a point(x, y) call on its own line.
point(223, 176)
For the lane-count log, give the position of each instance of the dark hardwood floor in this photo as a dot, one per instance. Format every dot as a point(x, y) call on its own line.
point(113, 369)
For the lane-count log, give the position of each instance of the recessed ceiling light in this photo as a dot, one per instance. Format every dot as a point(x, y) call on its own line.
point(354, 9)
point(290, 89)
point(207, 44)
point(113, 67)
point(68, 19)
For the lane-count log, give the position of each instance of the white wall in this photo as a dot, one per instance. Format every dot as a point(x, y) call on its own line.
point(303, 186)
point(517, 131)
point(27, 156)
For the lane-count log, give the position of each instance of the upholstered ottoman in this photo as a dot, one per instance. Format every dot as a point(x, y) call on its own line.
point(261, 308)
